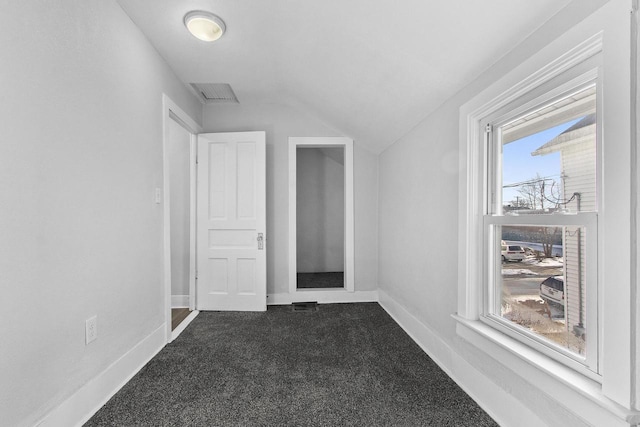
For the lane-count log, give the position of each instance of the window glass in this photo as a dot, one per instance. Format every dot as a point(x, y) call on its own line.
point(541, 286)
point(549, 157)
point(544, 173)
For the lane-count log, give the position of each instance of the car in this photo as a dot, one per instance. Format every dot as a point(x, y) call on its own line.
point(512, 252)
point(552, 292)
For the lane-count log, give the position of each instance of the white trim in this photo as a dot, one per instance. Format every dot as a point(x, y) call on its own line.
point(472, 152)
point(183, 325)
point(571, 67)
point(193, 197)
point(498, 403)
point(180, 301)
point(634, 200)
point(171, 111)
point(521, 81)
point(576, 392)
point(607, 29)
point(588, 403)
point(322, 297)
point(86, 401)
point(349, 263)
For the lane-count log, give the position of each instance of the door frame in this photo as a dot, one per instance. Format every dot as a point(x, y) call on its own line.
point(349, 273)
point(171, 111)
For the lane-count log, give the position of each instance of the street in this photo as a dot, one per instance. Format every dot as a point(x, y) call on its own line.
point(524, 278)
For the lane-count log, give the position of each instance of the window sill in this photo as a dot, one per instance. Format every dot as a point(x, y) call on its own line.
point(564, 385)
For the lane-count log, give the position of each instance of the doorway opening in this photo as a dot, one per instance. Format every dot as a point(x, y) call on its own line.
point(321, 216)
point(179, 161)
point(178, 198)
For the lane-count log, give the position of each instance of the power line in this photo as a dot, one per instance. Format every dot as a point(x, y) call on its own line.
point(531, 181)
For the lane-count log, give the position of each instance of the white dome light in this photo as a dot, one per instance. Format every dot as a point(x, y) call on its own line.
point(204, 25)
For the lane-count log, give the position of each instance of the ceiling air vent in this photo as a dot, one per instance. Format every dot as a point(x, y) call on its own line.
point(214, 93)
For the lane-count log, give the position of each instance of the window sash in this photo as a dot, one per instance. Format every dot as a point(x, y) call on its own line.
point(587, 364)
point(493, 215)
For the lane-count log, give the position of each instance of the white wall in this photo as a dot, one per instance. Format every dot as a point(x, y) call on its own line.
point(418, 233)
point(280, 122)
point(80, 158)
point(179, 154)
point(320, 210)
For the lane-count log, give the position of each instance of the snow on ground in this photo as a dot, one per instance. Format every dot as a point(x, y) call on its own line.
point(523, 298)
point(545, 262)
point(517, 271)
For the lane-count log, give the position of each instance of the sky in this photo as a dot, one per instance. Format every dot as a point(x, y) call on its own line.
point(519, 165)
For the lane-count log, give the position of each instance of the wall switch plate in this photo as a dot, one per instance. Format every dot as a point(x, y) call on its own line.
point(91, 329)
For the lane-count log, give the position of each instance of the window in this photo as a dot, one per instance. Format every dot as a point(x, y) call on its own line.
point(534, 196)
point(540, 222)
point(593, 362)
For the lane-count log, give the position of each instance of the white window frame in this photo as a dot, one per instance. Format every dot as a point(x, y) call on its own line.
point(604, 34)
point(563, 83)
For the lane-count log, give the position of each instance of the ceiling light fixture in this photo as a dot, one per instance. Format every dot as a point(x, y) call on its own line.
point(204, 25)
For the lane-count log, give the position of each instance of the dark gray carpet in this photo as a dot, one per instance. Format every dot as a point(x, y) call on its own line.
point(320, 280)
point(343, 365)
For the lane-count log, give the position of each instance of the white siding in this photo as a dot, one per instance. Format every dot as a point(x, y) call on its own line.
point(575, 273)
point(579, 171)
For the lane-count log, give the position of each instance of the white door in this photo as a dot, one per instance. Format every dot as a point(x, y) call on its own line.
point(231, 270)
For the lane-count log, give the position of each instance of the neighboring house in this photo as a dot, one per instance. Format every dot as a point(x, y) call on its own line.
point(577, 148)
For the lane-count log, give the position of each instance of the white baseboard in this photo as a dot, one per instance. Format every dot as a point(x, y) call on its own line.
point(322, 297)
point(179, 301)
point(85, 402)
point(500, 405)
point(181, 327)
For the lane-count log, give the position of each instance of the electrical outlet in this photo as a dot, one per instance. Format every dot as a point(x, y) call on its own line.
point(91, 329)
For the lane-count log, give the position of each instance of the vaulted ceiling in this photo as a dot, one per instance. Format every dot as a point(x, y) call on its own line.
point(371, 69)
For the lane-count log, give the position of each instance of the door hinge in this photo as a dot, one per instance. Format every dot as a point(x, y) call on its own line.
point(488, 128)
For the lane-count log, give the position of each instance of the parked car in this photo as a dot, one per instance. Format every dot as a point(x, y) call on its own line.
point(512, 252)
point(552, 292)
